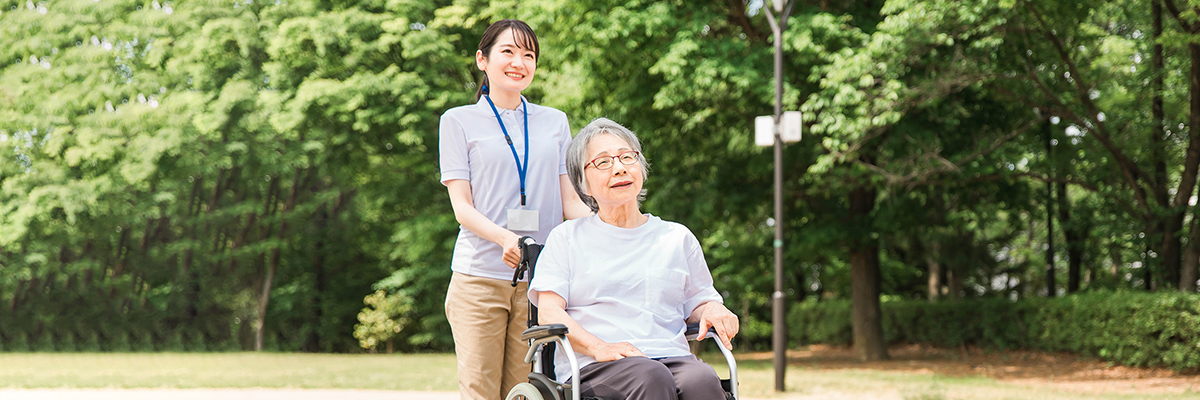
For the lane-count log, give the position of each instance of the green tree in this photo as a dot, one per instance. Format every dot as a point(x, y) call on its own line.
point(185, 170)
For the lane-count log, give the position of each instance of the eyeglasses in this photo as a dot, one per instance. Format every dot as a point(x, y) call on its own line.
point(606, 162)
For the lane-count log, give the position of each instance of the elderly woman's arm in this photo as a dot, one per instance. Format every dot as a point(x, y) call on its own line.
point(714, 314)
point(552, 310)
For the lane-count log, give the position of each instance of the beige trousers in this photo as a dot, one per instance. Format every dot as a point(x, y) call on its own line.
point(487, 317)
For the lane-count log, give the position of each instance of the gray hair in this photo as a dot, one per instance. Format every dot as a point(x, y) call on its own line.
point(577, 156)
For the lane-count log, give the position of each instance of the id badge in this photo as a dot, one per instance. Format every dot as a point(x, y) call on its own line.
point(522, 220)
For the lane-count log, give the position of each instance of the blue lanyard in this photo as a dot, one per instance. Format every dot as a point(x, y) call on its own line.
point(520, 169)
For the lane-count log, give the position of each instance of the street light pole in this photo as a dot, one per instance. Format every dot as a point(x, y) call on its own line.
point(778, 319)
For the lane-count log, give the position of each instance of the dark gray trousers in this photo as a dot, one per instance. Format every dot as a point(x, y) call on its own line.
point(641, 378)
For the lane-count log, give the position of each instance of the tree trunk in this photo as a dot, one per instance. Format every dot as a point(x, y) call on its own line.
point(315, 342)
point(1191, 261)
point(1172, 232)
point(798, 280)
point(264, 297)
point(933, 250)
point(1171, 252)
point(1114, 253)
point(1188, 273)
point(16, 299)
point(1147, 271)
point(188, 274)
point(120, 264)
point(864, 280)
point(1074, 239)
point(1170, 244)
point(935, 269)
point(1187, 181)
point(1051, 286)
point(954, 283)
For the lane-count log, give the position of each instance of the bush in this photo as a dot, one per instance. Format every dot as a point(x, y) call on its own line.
point(90, 342)
point(18, 343)
point(384, 316)
point(1129, 328)
point(120, 342)
point(195, 342)
point(754, 334)
point(43, 342)
point(821, 322)
point(66, 343)
point(174, 342)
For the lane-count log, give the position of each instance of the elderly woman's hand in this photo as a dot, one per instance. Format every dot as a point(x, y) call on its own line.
point(614, 351)
point(720, 318)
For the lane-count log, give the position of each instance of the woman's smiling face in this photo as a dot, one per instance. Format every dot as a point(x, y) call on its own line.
point(509, 66)
point(621, 184)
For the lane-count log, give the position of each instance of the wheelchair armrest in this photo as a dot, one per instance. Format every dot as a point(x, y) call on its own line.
point(544, 331)
point(731, 385)
point(693, 332)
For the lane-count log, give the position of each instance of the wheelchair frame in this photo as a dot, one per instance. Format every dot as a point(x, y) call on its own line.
point(544, 383)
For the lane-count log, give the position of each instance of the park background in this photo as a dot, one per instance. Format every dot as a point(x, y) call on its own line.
point(262, 175)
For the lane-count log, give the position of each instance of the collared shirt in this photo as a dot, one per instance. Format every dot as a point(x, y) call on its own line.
point(634, 285)
point(472, 147)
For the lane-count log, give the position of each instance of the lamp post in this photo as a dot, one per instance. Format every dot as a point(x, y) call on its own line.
point(779, 125)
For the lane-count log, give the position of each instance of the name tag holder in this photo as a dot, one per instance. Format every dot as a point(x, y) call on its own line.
point(522, 220)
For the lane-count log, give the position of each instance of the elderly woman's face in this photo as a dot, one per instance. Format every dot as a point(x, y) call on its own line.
point(620, 183)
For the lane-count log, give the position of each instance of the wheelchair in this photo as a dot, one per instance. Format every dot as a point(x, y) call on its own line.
point(545, 339)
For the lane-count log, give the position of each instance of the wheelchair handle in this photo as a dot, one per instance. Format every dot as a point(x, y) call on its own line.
point(693, 332)
point(523, 245)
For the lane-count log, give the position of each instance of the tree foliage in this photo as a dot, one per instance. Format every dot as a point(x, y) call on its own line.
point(384, 316)
point(239, 175)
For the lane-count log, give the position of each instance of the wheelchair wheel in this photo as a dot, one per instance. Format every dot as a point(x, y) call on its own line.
point(524, 391)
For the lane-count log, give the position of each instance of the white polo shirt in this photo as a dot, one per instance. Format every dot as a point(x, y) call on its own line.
point(472, 147)
point(634, 285)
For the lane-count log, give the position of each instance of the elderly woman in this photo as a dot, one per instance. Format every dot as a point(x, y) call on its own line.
point(625, 283)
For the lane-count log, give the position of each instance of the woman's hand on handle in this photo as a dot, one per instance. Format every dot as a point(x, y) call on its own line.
point(512, 252)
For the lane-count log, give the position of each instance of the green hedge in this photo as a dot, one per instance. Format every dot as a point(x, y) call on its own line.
point(1130, 328)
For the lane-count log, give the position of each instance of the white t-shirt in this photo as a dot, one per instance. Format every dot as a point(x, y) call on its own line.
point(634, 285)
point(472, 147)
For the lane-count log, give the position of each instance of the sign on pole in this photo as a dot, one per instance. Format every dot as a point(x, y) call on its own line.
point(790, 129)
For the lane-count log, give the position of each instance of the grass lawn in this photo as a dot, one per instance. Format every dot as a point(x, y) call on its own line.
point(228, 370)
point(436, 372)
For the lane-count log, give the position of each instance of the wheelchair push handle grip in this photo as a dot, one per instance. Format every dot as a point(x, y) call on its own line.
point(523, 245)
point(693, 331)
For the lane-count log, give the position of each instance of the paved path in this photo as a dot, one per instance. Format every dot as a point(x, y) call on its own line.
point(243, 394)
point(219, 394)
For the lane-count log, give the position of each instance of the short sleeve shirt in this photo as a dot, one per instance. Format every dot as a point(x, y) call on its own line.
point(472, 147)
point(634, 285)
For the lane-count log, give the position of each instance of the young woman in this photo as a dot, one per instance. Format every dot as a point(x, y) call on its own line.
point(502, 160)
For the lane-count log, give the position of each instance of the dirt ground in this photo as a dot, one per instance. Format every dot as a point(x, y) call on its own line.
point(1060, 370)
